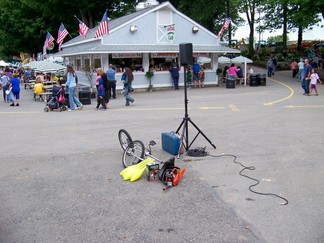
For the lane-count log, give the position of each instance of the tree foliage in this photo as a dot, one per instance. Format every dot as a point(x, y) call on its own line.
point(249, 7)
point(290, 16)
point(24, 23)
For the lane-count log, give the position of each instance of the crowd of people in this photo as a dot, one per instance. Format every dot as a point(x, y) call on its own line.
point(10, 84)
point(13, 79)
point(106, 86)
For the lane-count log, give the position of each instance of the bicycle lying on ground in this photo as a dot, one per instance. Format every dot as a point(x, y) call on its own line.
point(134, 150)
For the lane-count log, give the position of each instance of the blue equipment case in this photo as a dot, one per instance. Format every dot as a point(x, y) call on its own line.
point(170, 142)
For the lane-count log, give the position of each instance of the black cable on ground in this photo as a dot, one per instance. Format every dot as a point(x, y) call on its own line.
point(201, 152)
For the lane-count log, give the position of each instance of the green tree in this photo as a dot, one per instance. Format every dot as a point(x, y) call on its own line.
point(209, 13)
point(249, 8)
point(303, 18)
point(24, 23)
point(289, 15)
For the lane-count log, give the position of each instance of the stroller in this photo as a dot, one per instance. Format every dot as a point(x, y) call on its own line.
point(56, 100)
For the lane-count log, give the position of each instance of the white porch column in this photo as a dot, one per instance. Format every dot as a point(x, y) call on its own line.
point(215, 64)
point(146, 61)
point(104, 61)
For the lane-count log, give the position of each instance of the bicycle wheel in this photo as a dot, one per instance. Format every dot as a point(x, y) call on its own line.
point(134, 153)
point(124, 138)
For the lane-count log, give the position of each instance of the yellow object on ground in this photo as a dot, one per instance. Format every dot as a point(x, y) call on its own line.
point(135, 170)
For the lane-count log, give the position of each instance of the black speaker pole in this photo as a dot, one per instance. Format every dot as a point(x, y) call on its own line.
point(186, 119)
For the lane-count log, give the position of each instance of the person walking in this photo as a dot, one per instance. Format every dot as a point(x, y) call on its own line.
point(101, 95)
point(127, 79)
point(5, 83)
point(300, 74)
point(274, 60)
point(270, 67)
point(110, 73)
point(201, 77)
point(15, 89)
point(105, 83)
point(294, 68)
point(174, 70)
point(306, 79)
point(71, 83)
point(314, 79)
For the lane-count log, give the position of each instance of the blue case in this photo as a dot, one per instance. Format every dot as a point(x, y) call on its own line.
point(170, 142)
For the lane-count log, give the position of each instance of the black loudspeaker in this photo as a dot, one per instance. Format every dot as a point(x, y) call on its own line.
point(185, 54)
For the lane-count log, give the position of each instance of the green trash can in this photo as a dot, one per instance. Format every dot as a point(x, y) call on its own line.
point(254, 80)
point(230, 81)
point(262, 79)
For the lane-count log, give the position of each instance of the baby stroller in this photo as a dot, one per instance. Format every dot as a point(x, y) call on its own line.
point(56, 100)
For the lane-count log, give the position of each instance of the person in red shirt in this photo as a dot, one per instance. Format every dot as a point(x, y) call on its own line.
point(294, 68)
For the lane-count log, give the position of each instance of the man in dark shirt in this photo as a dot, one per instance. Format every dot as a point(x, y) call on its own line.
point(111, 81)
point(306, 80)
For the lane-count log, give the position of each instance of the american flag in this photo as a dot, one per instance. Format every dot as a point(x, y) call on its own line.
point(225, 26)
point(227, 23)
point(62, 33)
point(83, 28)
point(49, 39)
point(103, 28)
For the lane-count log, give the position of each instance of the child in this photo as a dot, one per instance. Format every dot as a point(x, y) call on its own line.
point(202, 77)
point(38, 88)
point(314, 78)
point(101, 95)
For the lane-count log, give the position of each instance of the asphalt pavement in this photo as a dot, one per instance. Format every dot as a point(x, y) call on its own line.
point(60, 182)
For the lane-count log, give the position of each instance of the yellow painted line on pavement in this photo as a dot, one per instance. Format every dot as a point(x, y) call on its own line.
point(286, 98)
point(233, 108)
point(304, 106)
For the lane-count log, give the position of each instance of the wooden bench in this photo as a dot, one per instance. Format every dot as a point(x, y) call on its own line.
point(44, 96)
point(29, 85)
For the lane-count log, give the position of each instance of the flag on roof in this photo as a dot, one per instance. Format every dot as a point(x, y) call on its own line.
point(62, 33)
point(225, 26)
point(83, 29)
point(49, 39)
point(227, 23)
point(103, 28)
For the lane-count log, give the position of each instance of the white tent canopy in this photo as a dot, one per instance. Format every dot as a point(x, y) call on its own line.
point(203, 60)
point(244, 60)
point(3, 64)
point(223, 59)
point(45, 66)
point(241, 59)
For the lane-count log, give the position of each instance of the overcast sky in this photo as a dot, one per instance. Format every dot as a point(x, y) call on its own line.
point(316, 34)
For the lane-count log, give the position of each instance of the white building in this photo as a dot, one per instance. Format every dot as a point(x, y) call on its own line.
point(149, 36)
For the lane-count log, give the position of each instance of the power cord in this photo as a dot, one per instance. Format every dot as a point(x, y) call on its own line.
point(201, 152)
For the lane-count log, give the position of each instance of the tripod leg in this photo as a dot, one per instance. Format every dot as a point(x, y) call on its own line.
point(180, 126)
point(184, 129)
point(199, 131)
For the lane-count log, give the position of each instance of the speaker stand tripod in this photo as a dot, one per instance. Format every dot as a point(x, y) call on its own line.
point(184, 137)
